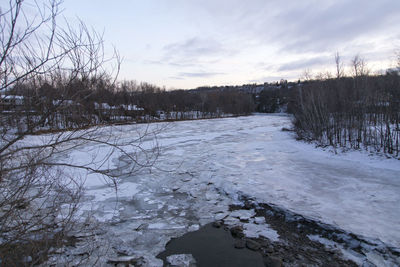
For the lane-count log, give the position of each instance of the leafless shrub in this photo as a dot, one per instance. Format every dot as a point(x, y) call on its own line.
point(40, 192)
point(359, 112)
point(339, 66)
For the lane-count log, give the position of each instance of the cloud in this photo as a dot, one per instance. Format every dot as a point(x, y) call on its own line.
point(199, 74)
point(194, 51)
point(279, 39)
point(174, 63)
point(194, 47)
point(305, 63)
point(324, 26)
point(304, 26)
point(176, 78)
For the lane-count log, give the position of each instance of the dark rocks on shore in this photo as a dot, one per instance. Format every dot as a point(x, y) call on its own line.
point(217, 224)
point(253, 245)
point(272, 262)
point(237, 231)
point(294, 247)
point(240, 243)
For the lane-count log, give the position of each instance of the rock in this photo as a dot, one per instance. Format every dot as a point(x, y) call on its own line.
point(240, 243)
point(267, 247)
point(248, 205)
point(272, 262)
point(269, 250)
point(264, 242)
point(253, 245)
point(237, 231)
point(217, 224)
point(181, 260)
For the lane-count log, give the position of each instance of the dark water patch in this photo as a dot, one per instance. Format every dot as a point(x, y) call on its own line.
point(212, 246)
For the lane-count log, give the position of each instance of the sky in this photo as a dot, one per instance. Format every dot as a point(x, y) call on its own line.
point(182, 44)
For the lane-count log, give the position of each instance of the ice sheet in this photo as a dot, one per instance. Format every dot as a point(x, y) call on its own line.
point(205, 164)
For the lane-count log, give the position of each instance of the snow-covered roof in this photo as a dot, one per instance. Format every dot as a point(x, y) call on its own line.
point(107, 106)
point(132, 107)
point(12, 97)
point(103, 106)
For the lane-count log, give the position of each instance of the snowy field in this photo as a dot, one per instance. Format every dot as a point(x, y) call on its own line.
point(205, 165)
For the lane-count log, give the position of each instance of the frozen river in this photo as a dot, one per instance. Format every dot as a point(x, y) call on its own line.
point(205, 165)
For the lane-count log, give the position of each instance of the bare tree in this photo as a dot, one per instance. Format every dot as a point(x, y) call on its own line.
point(398, 59)
point(339, 66)
point(359, 66)
point(307, 75)
point(351, 112)
point(39, 197)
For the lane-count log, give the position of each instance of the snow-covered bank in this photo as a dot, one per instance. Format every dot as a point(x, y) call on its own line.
point(203, 160)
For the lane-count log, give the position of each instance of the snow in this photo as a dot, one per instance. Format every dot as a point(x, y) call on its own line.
point(259, 220)
point(206, 165)
point(370, 257)
point(12, 97)
point(132, 107)
point(243, 214)
point(347, 253)
point(257, 230)
point(181, 260)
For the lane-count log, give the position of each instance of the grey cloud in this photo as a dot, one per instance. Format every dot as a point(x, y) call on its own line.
point(310, 25)
point(305, 63)
point(292, 27)
point(194, 52)
point(325, 25)
point(265, 66)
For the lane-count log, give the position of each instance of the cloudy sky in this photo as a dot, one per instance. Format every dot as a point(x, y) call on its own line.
point(190, 43)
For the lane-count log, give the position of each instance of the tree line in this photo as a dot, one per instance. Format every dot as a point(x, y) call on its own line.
point(83, 102)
